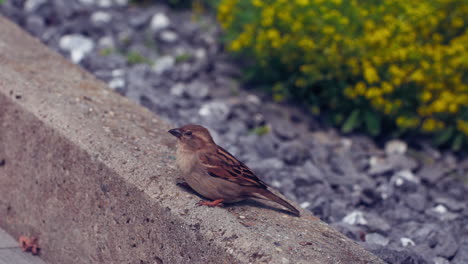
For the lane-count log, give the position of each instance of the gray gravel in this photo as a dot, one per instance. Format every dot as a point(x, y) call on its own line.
point(405, 205)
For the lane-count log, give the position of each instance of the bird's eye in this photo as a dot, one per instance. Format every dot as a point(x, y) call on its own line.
point(188, 133)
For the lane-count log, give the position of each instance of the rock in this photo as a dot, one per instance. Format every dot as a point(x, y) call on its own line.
point(178, 89)
point(168, 36)
point(117, 84)
point(321, 207)
point(159, 21)
point(312, 172)
point(63, 9)
point(35, 25)
point(441, 212)
point(451, 204)
point(104, 3)
point(462, 254)
point(392, 254)
point(136, 77)
point(304, 205)
point(395, 147)
point(106, 42)
point(139, 20)
point(121, 2)
point(283, 130)
point(215, 111)
point(407, 175)
point(446, 245)
point(266, 145)
point(432, 173)
point(227, 69)
point(293, 152)
point(266, 166)
point(416, 201)
point(100, 18)
point(439, 260)
point(354, 232)
point(391, 163)
point(77, 45)
point(163, 64)
point(406, 242)
point(108, 63)
point(376, 238)
point(87, 2)
point(379, 166)
point(31, 6)
point(377, 223)
point(197, 90)
point(355, 218)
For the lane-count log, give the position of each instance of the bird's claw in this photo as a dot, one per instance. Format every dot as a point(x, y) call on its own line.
point(211, 204)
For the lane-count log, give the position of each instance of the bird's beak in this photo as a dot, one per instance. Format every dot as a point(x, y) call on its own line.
point(175, 132)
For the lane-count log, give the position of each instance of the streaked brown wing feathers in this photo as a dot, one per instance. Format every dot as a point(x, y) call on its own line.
point(223, 165)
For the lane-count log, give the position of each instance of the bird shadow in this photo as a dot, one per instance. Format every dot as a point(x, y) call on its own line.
point(250, 202)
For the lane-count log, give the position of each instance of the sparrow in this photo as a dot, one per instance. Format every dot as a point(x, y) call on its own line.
point(214, 173)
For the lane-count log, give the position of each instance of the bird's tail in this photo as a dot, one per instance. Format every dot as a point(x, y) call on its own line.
point(268, 195)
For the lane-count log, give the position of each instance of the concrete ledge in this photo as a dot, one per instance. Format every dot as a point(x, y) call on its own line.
point(93, 176)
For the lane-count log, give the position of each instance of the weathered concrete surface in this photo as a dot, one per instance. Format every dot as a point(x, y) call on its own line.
point(92, 175)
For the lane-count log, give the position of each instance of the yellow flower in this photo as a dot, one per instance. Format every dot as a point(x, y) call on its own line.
point(360, 88)
point(302, 2)
point(462, 125)
point(257, 3)
point(370, 74)
point(429, 125)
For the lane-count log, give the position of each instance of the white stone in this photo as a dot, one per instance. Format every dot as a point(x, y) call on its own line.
point(355, 218)
point(121, 2)
point(101, 17)
point(376, 238)
point(440, 260)
point(395, 147)
point(116, 83)
point(251, 98)
point(441, 209)
point(408, 176)
point(406, 242)
point(276, 184)
point(399, 181)
point(346, 143)
point(159, 21)
point(304, 205)
point(118, 72)
point(106, 42)
point(163, 64)
point(214, 110)
point(178, 89)
point(77, 45)
point(200, 53)
point(168, 36)
point(104, 3)
point(87, 2)
point(32, 5)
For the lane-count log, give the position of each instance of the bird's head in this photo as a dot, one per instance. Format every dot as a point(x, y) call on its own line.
point(193, 137)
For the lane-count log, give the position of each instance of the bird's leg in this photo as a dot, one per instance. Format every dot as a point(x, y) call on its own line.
point(214, 203)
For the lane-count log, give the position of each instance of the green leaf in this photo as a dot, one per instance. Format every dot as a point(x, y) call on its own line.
point(352, 122)
point(457, 142)
point(444, 136)
point(372, 121)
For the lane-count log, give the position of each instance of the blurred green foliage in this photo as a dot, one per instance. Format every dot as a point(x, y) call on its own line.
point(392, 66)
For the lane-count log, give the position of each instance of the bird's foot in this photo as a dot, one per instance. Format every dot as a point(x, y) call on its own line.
point(214, 203)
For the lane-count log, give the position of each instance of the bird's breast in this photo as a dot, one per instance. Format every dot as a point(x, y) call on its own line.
point(186, 160)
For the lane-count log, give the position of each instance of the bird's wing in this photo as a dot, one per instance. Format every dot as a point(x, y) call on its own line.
point(222, 164)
